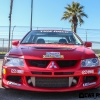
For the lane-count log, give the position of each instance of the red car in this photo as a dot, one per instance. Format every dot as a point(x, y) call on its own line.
point(51, 61)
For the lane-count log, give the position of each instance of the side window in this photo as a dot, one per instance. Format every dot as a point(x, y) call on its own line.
point(72, 39)
point(28, 39)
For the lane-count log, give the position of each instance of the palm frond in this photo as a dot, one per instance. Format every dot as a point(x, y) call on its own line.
point(73, 4)
point(82, 14)
point(81, 21)
point(74, 13)
point(66, 15)
point(81, 7)
point(77, 5)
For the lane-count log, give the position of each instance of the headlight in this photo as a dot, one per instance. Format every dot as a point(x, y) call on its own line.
point(93, 62)
point(16, 62)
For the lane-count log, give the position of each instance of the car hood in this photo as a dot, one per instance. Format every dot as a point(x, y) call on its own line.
point(36, 51)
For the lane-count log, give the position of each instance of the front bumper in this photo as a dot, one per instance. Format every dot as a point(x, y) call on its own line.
point(81, 84)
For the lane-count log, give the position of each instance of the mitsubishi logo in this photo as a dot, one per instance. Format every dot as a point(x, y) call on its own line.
point(52, 65)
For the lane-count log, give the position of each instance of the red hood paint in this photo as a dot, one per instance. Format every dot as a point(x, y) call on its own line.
point(36, 51)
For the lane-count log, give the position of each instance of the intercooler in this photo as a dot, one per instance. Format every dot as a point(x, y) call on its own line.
point(61, 82)
point(52, 82)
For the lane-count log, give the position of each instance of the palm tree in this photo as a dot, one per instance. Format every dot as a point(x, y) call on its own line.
point(11, 6)
point(74, 13)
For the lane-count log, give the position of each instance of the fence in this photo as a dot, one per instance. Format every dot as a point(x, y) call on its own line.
point(92, 35)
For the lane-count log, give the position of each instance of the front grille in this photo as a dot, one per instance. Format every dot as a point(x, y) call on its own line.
point(45, 63)
point(52, 82)
point(39, 63)
point(66, 63)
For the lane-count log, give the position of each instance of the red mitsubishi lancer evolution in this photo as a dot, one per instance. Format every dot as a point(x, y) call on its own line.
point(51, 61)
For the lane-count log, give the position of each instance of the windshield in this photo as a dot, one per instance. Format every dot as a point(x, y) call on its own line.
point(51, 37)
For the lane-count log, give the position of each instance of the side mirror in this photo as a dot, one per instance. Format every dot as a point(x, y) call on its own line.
point(88, 44)
point(15, 42)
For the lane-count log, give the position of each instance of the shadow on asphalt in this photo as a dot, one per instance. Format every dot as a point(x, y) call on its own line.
point(10, 94)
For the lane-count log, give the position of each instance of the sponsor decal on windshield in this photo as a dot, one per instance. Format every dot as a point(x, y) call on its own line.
point(58, 31)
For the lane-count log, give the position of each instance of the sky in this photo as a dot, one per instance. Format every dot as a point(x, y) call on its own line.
point(47, 13)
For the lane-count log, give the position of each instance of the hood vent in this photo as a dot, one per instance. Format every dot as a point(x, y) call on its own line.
point(50, 48)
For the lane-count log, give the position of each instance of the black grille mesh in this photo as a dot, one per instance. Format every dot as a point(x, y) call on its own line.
point(66, 63)
point(39, 63)
point(44, 63)
point(51, 82)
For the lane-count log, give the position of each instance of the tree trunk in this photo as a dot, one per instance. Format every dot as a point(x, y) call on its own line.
point(74, 21)
point(75, 27)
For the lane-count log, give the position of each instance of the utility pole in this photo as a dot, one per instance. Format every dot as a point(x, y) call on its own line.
point(86, 34)
point(11, 5)
point(12, 34)
point(31, 15)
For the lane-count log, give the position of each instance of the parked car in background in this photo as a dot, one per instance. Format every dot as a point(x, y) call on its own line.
point(51, 61)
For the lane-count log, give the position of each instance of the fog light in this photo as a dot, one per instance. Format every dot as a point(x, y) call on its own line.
point(4, 71)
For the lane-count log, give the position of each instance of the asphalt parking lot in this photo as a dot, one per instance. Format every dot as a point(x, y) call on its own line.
point(27, 95)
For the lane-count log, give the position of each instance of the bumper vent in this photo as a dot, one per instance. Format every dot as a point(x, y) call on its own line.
point(63, 73)
point(89, 79)
point(55, 73)
point(14, 78)
point(42, 73)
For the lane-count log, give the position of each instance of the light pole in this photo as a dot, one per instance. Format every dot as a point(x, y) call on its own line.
point(11, 5)
point(12, 34)
point(31, 15)
point(86, 34)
